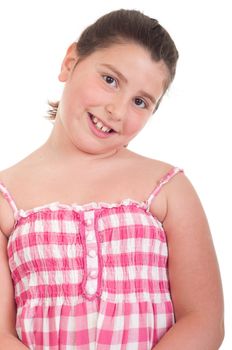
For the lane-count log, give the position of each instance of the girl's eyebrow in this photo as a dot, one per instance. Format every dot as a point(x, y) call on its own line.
point(124, 79)
point(121, 76)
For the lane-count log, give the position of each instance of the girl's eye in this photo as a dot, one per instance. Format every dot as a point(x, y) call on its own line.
point(109, 80)
point(140, 103)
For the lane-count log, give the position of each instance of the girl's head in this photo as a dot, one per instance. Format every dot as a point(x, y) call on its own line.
point(127, 26)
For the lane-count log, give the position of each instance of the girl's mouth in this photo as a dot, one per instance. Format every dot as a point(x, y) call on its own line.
point(98, 128)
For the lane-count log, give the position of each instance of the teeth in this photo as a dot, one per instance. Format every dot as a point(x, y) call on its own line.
point(99, 125)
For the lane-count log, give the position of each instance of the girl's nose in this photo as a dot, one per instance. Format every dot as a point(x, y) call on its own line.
point(112, 113)
point(116, 110)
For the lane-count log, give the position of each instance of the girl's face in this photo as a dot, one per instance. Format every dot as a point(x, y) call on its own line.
point(117, 87)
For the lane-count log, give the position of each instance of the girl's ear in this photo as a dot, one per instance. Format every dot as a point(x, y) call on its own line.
point(68, 63)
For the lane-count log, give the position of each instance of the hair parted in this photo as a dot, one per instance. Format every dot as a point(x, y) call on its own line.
point(126, 26)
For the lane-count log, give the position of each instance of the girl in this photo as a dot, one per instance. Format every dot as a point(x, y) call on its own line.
point(92, 256)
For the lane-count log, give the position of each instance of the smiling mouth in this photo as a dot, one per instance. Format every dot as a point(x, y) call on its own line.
point(100, 126)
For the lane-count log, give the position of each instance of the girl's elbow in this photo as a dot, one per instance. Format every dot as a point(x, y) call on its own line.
point(221, 333)
point(219, 327)
point(217, 330)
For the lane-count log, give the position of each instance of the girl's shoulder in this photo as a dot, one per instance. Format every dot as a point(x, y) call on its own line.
point(6, 217)
point(158, 181)
point(153, 169)
point(13, 175)
point(11, 181)
point(157, 177)
point(21, 172)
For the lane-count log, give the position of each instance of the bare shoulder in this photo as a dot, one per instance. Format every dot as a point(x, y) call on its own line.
point(154, 167)
point(12, 178)
point(6, 212)
point(13, 174)
point(185, 207)
point(152, 171)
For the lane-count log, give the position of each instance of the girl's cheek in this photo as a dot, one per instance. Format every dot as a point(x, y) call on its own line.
point(92, 97)
point(134, 124)
point(131, 125)
point(92, 93)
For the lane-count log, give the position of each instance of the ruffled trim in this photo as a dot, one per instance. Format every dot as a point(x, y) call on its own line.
point(54, 206)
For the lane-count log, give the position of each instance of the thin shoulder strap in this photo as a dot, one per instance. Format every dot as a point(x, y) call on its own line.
point(166, 178)
point(9, 198)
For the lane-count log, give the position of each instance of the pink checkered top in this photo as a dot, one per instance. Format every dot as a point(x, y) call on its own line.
point(90, 276)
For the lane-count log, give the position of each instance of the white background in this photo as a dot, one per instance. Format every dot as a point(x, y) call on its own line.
point(192, 126)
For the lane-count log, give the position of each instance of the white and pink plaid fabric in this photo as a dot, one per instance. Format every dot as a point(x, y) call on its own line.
point(90, 277)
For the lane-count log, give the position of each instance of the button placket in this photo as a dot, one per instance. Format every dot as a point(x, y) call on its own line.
point(88, 222)
point(92, 254)
point(93, 274)
point(90, 237)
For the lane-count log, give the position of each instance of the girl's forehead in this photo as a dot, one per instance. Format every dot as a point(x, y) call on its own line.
point(129, 56)
point(127, 48)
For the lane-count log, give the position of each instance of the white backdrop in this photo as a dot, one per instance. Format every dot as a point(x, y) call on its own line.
point(192, 126)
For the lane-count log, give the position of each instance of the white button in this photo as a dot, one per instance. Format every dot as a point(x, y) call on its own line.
point(90, 290)
point(93, 274)
point(92, 253)
point(88, 222)
point(90, 237)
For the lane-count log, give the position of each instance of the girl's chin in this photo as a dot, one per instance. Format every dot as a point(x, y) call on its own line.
point(96, 149)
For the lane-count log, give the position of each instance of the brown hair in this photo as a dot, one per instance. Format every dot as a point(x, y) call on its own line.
point(127, 25)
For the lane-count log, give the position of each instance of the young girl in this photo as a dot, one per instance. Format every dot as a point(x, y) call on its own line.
point(102, 248)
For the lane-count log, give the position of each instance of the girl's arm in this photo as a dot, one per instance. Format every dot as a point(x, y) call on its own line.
point(8, 335)
point(195, 282)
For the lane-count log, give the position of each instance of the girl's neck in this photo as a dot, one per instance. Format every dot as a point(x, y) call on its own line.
point(59, 147)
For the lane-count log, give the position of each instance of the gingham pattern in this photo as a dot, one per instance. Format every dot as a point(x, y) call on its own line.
point(90, 277)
